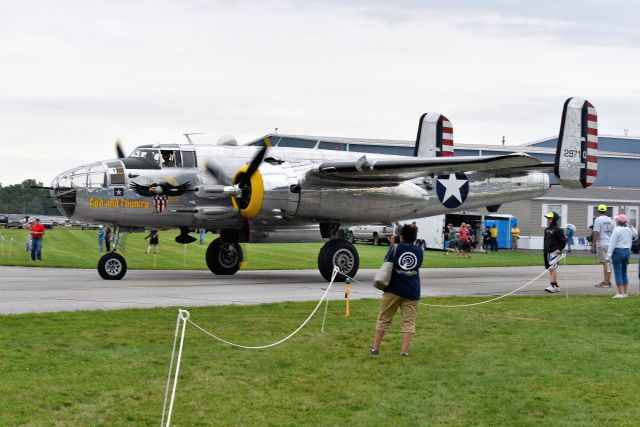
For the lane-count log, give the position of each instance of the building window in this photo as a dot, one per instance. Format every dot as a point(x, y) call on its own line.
point(335, 146)
point(632, 213)
point(296, 142)
point(557, 208)
point(593, 213)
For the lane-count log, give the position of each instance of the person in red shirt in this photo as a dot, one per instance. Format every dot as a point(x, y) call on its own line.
point(37, 231)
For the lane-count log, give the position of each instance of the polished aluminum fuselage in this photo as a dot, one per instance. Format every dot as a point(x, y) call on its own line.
point(291, 197)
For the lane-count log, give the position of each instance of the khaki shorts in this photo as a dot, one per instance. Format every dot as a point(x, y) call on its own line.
point(602, 254)
point(389, 306)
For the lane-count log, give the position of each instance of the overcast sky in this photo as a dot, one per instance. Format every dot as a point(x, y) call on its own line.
point(76, 75)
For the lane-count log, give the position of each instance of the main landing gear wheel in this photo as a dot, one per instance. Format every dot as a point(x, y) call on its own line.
point(224, 258)
point(341, 253)
point(112, 266)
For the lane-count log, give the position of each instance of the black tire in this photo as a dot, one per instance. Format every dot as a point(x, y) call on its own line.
point(112, 266)
point(376, 239)
point(341, 253)
point(224, 258)
point(352, 240)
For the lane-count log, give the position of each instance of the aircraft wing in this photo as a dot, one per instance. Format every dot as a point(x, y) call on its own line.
point(363, 172)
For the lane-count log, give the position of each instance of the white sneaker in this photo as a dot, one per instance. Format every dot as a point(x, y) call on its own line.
point(556, 289)
point(550, 289)
point(624, 295)
point(618, 296)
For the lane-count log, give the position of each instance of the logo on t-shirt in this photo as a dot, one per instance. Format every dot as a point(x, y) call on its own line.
point(408, 261)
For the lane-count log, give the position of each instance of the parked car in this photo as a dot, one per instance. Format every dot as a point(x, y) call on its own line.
point(373, 233)
point(13, 221)
point(60, 221)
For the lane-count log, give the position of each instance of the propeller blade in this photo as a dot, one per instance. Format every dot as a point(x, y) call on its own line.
point(214, 171)
point(119, 149)
point(253, 166)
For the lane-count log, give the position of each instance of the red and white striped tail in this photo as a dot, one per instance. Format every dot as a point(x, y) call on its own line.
point(435, 136)
point(446, 148)
point(576, 162)
point(592, 145)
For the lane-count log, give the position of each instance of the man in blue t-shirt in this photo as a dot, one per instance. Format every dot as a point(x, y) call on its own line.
point(403, 291)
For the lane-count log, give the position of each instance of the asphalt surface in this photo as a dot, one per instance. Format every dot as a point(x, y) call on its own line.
point(34, 289)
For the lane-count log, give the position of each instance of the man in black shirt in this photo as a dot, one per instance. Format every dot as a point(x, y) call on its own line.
point(554, 242)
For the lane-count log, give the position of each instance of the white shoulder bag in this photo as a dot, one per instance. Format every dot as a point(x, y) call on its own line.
point(383, 275)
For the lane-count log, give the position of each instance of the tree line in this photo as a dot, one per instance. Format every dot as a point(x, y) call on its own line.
point(22, 199)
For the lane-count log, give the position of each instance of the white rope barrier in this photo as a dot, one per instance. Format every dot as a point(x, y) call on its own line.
point(184, 315)
point(487, 301)
point(256, 347)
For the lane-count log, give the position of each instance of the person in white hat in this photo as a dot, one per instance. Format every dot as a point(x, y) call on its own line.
point(602, 229)
point(618, 251)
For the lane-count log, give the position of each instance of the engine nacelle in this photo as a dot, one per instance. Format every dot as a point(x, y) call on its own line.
point(273, 192)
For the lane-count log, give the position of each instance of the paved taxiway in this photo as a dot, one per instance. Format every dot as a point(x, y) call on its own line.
point(25, 289)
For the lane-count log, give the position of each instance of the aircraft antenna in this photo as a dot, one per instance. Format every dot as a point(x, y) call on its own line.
point(188, 136)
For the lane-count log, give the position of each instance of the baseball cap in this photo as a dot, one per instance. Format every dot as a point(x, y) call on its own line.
point(622, 218)
point(550, 215)
point(602, 208)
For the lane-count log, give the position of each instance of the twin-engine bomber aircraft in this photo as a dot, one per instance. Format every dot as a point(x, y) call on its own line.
point(238, 190)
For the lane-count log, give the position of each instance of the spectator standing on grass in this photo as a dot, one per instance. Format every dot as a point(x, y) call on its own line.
point(554, 242)
point(486, 239)
point(453, 239)
point(494, 238)
point(37, 233)
point(403, 291)
point(153, 240)
point(515, 235)
point(107, 238)
point(101, 238)
point(602, 229)
point(569, 232)
point(618, 251)
point(28, 226)
point(463, 237)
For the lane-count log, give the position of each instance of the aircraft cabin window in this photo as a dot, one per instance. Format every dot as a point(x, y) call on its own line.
point(188, 159)
point(148, 155)
point(170, 158)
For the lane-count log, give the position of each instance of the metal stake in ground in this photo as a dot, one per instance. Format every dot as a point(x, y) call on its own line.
point(183, 315)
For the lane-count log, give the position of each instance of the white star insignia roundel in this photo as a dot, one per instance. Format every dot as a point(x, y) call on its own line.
point(452, 189)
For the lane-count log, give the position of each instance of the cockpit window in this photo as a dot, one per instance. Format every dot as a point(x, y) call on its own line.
point(150, 156)
point(79, 177)
point(97, 176)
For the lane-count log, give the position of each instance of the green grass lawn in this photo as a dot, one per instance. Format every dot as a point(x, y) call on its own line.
point(525, 361)
point(73, 248)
